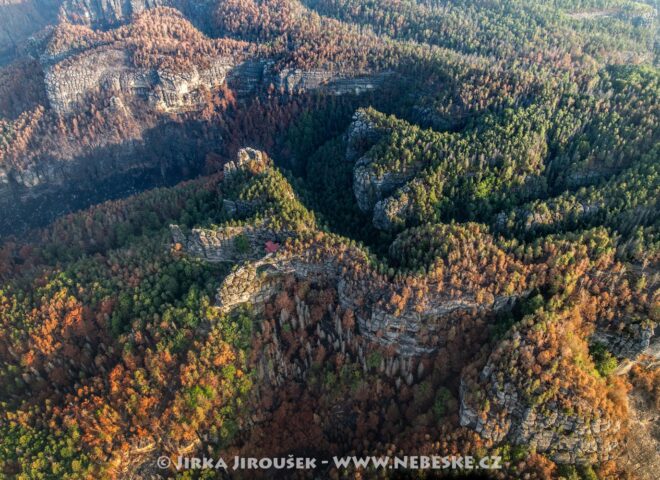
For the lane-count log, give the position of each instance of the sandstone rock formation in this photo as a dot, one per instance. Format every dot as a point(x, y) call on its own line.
point(231, 244)
point(336, 83)
point(576, 422)
point(566, 436)
point(362, 134)
point(628, 345)
point(110, 13)
point(374, 189)
point(109, 71)
point(107, 13)
point(420, 327)
point(570, 422)
point(371, 187)
point(411, 332)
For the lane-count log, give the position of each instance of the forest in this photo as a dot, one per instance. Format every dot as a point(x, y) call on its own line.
point(330, 227)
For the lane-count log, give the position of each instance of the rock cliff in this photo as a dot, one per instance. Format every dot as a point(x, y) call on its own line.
point(424, 323)
point(370, 187)
point(412, 332)
point(576, 421)
point(110, 71)
point(110, 13)
point(381, 192)
point(336, 83)
point(504, 408)
point(107, 13)
point(173, 69)
point(573, 422)
point(566, 436)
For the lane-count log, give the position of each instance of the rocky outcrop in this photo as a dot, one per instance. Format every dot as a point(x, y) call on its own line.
point(111, 13)
point(388, 213)
point(412, 333)
point(247, 78)
point(374, 186)
point(371, 187)
point(182, 91)
point(293, 81)
point(424, 322)
point(258, 75)
point(110, 70)
point(362, 134)
point(634, 341)
point(132, 93)
point(230, 244)
point(639, 340)
point(103, 13)
point(572, 421)
point(107, 13)
point(68, 85)
point(245, 159)
point(566, 436)
point(533, 218)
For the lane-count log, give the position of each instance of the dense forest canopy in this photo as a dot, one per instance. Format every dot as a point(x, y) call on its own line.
point(327, 228)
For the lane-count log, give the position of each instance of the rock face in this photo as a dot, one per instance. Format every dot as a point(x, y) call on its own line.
point(245, 158)
point(110, 70)
point(570, 422)
point(634, 341)
point(369, 186)
point(413, 329)
point(639, 340)
point(336, 83)
point(231, 244)
point(181, 91)
point(564, 435)
point(247, 78)
point(390, 212)
point(410, 332)
point(109, 13)
point(362, 134)
point(373, 189)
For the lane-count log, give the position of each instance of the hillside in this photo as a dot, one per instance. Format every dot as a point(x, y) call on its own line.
point(321, 228)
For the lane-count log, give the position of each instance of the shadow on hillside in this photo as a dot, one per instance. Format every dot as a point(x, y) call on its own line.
point(167, 155)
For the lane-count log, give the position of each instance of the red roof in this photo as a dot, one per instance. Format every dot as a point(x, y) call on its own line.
point(272, 247)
